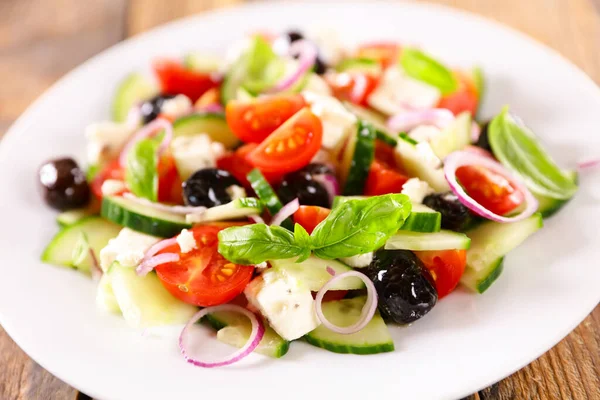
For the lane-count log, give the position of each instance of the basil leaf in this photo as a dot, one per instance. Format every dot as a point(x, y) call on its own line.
point(517, 148)
point(264, 68)
point(141, 171)
point(360, 226)
point(302, 239)
point(253, 244)
point(420, 66)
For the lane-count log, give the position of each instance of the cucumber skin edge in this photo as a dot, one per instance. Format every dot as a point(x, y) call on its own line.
point(342, 349)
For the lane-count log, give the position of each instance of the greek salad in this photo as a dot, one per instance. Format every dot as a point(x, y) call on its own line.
point(298, 190)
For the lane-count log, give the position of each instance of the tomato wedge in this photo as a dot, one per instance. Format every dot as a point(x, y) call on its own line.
point(465, 98)
point(354, 87)
point(383, 180)
point(291, 146)
point(112, 170)
point(446, 268)
point(203, 277)
point(310, 216)
point(385, 153)
point(491, 190)
point(252, 121)
point(169, 183)
point(174, 78)
point(386, 53)
point(236, 164)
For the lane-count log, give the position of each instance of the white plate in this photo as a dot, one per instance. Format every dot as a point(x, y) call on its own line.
point(466, 343)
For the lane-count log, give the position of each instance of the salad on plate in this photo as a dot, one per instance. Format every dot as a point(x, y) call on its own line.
point(298, 190)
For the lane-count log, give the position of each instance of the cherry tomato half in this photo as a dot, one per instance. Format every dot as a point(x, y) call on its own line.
point(252, 121)
point(174, 78)
point(291, 146)
point(446, 268)
point(203, 277)
point(310, 216)
point(465, 98)
point(169, 183)
point(386, 53)
point(491, 190)
point(383, 180)
point(112, 170)
point(354, 87)
point(237, 165)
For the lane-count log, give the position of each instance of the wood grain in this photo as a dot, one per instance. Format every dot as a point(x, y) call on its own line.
point(40, 40)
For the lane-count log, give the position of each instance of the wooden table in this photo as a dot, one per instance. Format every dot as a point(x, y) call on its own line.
point(41, 40)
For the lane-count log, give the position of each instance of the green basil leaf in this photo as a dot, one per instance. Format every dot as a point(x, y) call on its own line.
point(253, 244)
point(264, 68)
point(516, 147)
point(360, 226)
point(420, 66)
point(141, 171)
point(302, 239)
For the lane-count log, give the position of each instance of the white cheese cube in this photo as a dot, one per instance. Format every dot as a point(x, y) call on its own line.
point(105, 140)
point(288, 307)
point(176, 107)
point(236, 192)
point(424, 133)
point(186, 241)
point(426, 154)
point(329, 43)
point(416, 189)
point(358, 261)
point(316, 84)
point(337, 121)
point(195, 152)
point(127, 249)
point(111, 187)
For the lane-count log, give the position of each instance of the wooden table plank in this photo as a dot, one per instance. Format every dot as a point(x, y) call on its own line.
point(41, 49)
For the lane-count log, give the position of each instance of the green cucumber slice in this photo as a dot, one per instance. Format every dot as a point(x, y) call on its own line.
point(126, 212)
point(375, 119)
point(71, 217)
point(94, 232)
point(480, 281)
point(105, 297)
point(549, 206)
point(133, 89)
point(144, 301)
point(234, 329)
point(358, 156)
point(313, 274)
point(236, 209)
point(366, 65)
point(454, 137)
point(213, 124)
point(423, 219)
point(408, 155)
point(267, 195)
point(419, 241)
point(205, 63)
point(372, 339)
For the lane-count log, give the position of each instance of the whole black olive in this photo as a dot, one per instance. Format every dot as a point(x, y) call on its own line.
point(294, 36)
point(306, 185)
point(209, 187)
point(150, 109)
point(455, 215)
point(404, 286)
point(484, 141)
point(64, 185)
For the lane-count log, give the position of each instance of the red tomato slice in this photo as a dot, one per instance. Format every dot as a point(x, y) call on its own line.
point(176, 79)
point(491, 190)
point(385, 153)
point(383, 180)
point(212, 96)
point(169, 183)
point(386, 53)
point(112, 170)
point(236, 164)
point(291, 146)
point(310, 216)
point(446, 268)
point(465, 98)
point(354, 87)
point(252, 121)
point(203, 277)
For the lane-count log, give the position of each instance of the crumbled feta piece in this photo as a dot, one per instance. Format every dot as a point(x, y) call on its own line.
point(316, 84)
point(186, 241)
point(337, 121)
point(358, 261)
point(261, 266)
point(427, 155)
point(424, 133)
point(127, 249)
point(106, 139)
point(176, 107)
point(236, 192)
point(111, 187)
point(329, 43)
point(416, 189)
point(195, 152)
point(288, 307)
point(398, 92)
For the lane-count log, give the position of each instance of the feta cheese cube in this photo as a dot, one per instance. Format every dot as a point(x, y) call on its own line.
point(416, 189)
point(426, 153)
point(337, 121)
point(316, 84)
point(398, 92)
point(424, 133)
point(288, 307)
point(105, 140)
point(195, 152)
point(236, 192)
point(186, 241)
point(176, 107)
point(127, 249)
point(358, 261)
point(329, 43)
point(111, 187)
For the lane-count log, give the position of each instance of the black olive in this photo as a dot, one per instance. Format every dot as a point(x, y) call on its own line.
point(484, 141)
point(208, 187)
point(304, 185)
point(151, 108)
point(404, 286)
point(455, 215)
point(64, 185)
point(294, 36)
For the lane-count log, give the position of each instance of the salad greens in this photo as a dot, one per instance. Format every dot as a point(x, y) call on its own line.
point(263, 66)
point(141, 172)
point(424, 68)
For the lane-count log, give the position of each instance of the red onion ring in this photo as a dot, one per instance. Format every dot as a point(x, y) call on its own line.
point(179, 210)
point(257, 219)
point(475, 131)
point(330, 184)
point(367, 312)
point(464, 158)
point(256, 335)
point(155, 248)
point(478, 150)
point(408, 120)
point(148, 265)
point(330, 271)
point(588, 164)
point(286, 211)
point(308, 55)
point(151, 129)
point(211, 108)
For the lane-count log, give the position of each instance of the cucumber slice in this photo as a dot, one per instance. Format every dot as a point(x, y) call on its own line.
point(105, 297)
point(244, 95)
point(549, 206)
point(204, 63)
point(365, 65)
point(67, 218)
point(234, 329)
point(417, 164)
point(313, 274)
point(267, 195)
point(480, 281)
point(418, 241)
point(423, 219)
point(338, 200)
point(95, 231)
point(358, 156)
point(236, 209)
point(133, 89)
point(144, 301)
point(454, 137)
point(213, 124)
point(126, 212)
point(372, 339)
point(375, 119)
